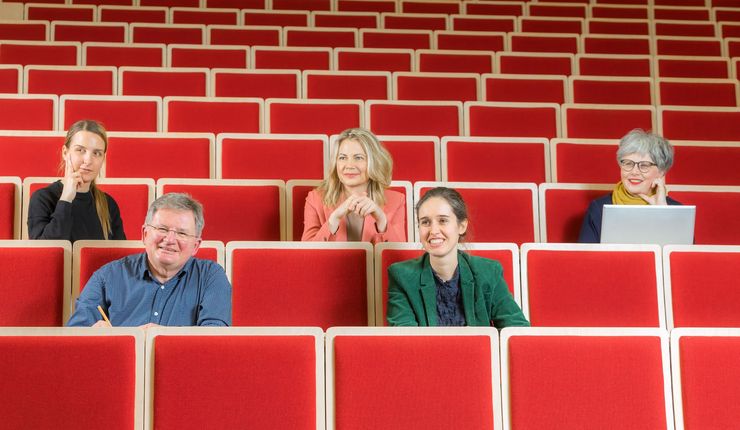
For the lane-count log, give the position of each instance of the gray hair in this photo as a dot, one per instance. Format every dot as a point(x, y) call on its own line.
point(646, 143)
point(179, 202)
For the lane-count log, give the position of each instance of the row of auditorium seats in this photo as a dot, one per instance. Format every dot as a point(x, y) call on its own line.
point(383, 117)
point(291, 61)
point(631, 9)
point(415, 158)
point(365, 378)
point(89, 23)
point(516, 212)
point(321, 41)
point(348, 13)
point(346, 284)
point(377, 85)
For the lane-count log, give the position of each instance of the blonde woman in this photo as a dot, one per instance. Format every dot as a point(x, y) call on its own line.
point(354, 203)
point(74, 208)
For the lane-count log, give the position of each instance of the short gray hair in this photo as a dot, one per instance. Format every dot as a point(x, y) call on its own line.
point(179, 202)
point(647, 143)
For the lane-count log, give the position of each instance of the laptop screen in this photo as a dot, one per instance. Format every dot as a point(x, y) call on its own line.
point(658, 224)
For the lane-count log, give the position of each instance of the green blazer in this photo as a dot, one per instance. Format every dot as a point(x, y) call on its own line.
point(412, 293)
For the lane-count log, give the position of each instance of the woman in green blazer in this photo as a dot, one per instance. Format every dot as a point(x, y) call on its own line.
point(445, 286)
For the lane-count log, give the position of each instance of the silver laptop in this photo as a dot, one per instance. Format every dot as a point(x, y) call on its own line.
point(661, 224)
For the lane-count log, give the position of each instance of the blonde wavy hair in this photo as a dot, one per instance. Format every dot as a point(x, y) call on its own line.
point(379, 167)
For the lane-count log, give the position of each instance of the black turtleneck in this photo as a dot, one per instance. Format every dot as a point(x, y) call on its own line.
point(51, 218)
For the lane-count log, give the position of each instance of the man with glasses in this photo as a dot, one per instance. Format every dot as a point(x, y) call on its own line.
point(644, 159)
point(165, 285)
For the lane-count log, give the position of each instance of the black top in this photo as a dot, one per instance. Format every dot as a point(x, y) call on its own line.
point(450, 310)
point(591, 227)
point(51, 218)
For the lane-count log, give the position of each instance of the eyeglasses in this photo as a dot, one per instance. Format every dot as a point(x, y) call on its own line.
point(180, 235)
point(643, 166)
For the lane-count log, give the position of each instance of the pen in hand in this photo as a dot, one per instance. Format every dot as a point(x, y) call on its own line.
point(105, 317)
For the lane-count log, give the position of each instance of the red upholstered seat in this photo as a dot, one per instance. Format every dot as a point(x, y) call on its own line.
point(535, 63)
point(36, 153)
point(162, 82)
point(498, 211)
point(414, 21)
point(319, 84)
point(197, 15)
point(253, 156)
point(505, 119)
point(491, 159)
point(524, 88)
point(699, 123)
point(47, 373)
point(669, 66)
point(113, 32)
point(425, 6)
point(436, 86)
point(213, 115)
point(494, 8)
point(700, 285)
point(24, 30)
point(616, 44)
point(395, 379)
point(473, 23)
point(251, 35)
point(415, 118)
point(705, 377)
point(366, 5)
point(555, 25)
point(586, 161)
point(415, 158)
point(118, 113)
point(227, 201)
point(611, 90)
point(61, 80)
point(544, 42)
point(302, 116)
point(583, 285)
point(301, 58)
point(469, 40)
point(211, 56)
point(123, 54)
point(693, 92)
point(133, 14)
point(282, 18)
point(637, 27)
point(724, 157)
point(454, 61)
point(715, 214)
point(52, 53)
point(346, 19)
point(11, 78)
point(596, 121)
point(582, 379)
point(28, 112)
point(321, 37)
point(296, 191)
point(124, 160)
point(614, 65)
point(10, 207)
point(391, 60)
point(167, 33)
point(304, 295)
point(562, 208)
point(309, 5)
point(60, 12)
point(264, 379)
point(392, 38)
point(256, 83)
point(690, 46)
point(36, 285)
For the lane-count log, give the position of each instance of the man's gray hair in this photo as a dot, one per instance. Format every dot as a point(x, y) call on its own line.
point(646, 143)
point(178, 202)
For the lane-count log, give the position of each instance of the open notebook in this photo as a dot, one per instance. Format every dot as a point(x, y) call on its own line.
point(661, 225)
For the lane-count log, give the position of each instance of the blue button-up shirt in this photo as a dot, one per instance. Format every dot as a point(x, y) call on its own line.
point(199, 294)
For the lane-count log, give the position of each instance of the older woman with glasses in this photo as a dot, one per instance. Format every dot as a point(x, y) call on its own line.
point(643, 158)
